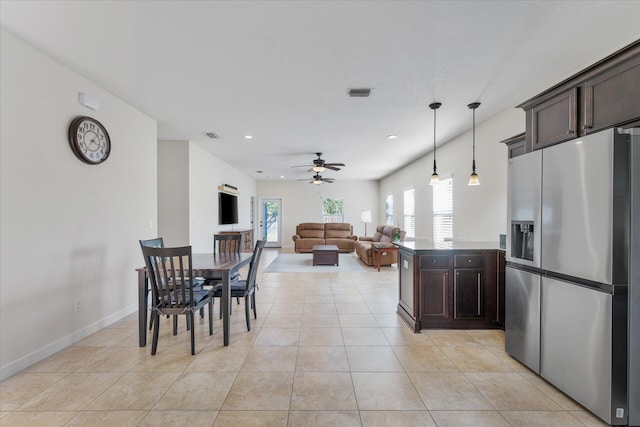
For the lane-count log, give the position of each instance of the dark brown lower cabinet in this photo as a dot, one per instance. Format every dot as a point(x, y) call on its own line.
point(454, 289)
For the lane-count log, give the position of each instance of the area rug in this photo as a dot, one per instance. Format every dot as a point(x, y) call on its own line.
point(303, 263)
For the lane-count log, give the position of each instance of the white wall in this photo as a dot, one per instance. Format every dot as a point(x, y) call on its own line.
point(302, 202)
point(68, 230)
point(188, 194)
point(480, 212)
point(173, 192)
point(206, 173)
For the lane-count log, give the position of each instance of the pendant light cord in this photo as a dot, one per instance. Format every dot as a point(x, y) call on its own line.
point(434, 140)
point(473, 166)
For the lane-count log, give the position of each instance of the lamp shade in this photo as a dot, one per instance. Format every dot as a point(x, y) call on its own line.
point(365, 216)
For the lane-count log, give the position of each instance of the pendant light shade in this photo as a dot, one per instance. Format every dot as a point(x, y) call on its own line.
point(473, 179)
point(435, 179)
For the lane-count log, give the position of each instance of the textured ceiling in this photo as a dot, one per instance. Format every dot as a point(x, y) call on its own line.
point(280, 70)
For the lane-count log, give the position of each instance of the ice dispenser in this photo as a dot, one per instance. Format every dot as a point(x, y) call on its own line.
point(522, 239)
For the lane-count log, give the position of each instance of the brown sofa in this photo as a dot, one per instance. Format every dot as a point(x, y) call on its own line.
point(384, 235)
point(309, 234)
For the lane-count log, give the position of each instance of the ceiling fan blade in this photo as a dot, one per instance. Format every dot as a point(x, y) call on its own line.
point(333, 168)
point(302, 166)
point(334, 164)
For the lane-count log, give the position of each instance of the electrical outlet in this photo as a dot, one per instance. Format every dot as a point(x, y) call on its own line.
point(76, 305)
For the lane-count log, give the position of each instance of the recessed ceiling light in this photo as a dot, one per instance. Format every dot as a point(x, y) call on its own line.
point(247, 137)
point(392, 136)
point(281, 176)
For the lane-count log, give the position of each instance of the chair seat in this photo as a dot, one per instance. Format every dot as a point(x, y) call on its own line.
point(237, 286)
point(198, 297)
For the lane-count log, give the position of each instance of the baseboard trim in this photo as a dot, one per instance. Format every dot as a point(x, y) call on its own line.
point(21, 364)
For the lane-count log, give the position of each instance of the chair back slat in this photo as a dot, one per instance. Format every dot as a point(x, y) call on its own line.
point(253, 265)
point(170, 273)
point(226, 243)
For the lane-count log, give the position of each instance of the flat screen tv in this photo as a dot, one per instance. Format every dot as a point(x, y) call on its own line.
point(227, 208)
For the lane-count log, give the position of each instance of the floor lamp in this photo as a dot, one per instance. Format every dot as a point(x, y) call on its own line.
point(365, 216)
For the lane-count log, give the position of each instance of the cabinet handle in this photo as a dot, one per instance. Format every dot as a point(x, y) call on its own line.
point(433, 261)
point(478, 291)
point(468, 260)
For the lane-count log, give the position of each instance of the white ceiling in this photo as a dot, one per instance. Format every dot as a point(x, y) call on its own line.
point(280, 70)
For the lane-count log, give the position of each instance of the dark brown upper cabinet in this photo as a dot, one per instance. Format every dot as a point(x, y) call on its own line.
point(604, 95)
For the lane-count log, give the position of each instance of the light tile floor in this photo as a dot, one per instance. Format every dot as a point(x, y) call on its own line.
point(326, 349)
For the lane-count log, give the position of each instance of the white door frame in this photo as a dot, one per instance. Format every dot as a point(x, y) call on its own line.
point(261, 229)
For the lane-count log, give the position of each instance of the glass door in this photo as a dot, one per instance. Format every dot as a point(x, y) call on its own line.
point(270, 222)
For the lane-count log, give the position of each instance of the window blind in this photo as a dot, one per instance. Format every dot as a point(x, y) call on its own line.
point(443, 212)
point(410, 212)
point(389, 209)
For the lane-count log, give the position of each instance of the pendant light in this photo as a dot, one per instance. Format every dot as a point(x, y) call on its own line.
point(435, 179)
point(473, 179)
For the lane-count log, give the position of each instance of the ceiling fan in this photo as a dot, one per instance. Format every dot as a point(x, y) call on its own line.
point(319, 165)
point(317, 179)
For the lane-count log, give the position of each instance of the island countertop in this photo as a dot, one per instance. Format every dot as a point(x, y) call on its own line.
point(428, 245)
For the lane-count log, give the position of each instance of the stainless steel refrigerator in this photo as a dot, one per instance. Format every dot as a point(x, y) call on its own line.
point(572, 291)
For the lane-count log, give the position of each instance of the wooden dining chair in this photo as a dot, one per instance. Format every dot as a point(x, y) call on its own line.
point(245, 288)
point(227, 243)
point(172, 289)
point(158, 242)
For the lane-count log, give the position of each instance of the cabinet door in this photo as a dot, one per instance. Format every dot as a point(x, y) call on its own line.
point(468, 294)
point(434, 298)
point(613, 97)
point(554, 120)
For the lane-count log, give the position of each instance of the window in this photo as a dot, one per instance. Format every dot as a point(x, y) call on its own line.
point(332, 210)
point(410, 212)
point(389, 209)
point(443, 213)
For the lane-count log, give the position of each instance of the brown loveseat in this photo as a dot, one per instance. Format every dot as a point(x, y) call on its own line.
point(309, 234)
point(384, 235)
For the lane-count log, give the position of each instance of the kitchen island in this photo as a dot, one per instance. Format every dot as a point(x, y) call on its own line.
point(457, 285)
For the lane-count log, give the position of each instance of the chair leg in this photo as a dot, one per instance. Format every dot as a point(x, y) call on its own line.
point(247, 311)
point(155, 318)
point(202, 312)
point(253, 303)
point(211, 317)
point(175, 325)
point(193, 334)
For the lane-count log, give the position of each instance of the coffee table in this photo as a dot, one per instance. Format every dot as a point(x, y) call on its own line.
point(325, 255)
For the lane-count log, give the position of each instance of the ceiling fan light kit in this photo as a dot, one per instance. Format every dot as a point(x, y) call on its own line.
point(318, 166)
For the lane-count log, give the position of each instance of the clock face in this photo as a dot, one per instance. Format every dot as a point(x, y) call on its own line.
point(89, 140)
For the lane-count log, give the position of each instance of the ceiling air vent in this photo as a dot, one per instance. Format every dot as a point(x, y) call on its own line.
point(359, 93)
point(212, 135)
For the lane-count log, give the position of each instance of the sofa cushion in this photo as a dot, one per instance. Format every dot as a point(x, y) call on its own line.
point(377, 236)
point(338, 230)
point(310, 230)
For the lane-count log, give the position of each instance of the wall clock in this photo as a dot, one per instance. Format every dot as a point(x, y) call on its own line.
point(89, 140)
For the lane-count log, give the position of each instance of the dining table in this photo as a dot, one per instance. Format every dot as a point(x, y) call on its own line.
point(206, 265)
